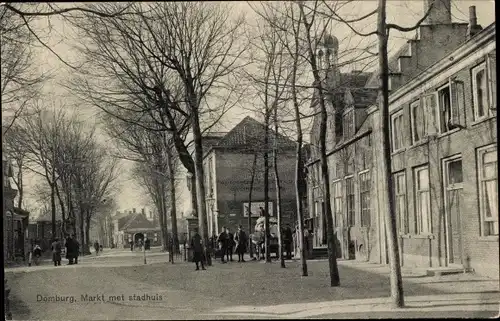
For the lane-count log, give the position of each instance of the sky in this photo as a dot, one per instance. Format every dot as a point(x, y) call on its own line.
point(404, 13)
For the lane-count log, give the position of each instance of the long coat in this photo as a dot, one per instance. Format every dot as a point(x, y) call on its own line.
point(197, 248)
point(242, 240)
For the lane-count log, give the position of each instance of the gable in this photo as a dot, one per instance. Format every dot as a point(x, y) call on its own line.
point(137, 221)
point(250, 132)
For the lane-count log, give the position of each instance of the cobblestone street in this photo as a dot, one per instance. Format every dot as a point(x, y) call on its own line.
point(235, 290)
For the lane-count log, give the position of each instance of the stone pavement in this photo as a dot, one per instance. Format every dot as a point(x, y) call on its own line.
point(241, 290)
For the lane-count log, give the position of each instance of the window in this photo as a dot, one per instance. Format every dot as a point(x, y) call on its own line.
point(364, 197)
point(454, 175)
point(337, 203)
point(351, 210)
point(399, 183)
point(418, 123)
point(451, 106)
point(488, 190)
point(397, 129)
point(422, 200)
point(480, 91)
point(348, 124)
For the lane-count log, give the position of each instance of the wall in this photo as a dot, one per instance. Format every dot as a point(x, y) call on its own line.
point(233, 176)
point(477, 252)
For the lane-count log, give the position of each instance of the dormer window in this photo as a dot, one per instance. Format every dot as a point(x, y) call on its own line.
point(348, 124)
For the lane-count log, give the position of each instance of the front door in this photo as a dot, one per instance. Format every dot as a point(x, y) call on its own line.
point(453, 191)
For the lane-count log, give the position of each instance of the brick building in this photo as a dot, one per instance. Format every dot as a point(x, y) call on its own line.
point(443, 130)
point(229, 166)
point(444, 158)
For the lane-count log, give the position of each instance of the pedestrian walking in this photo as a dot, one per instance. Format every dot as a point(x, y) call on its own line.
point(242, 243)
point(197, 250)
point(132, 246)
point(100, 248)
point(56, 252)
point(287, 241)
point(230, 245)
point(96, 248)
point(70, 249)
point(223, 243)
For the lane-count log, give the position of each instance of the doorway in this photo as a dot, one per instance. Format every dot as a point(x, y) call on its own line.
point(453, 194)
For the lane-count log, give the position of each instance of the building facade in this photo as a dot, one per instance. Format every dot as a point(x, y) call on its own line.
point(444, 160)
point(234, 175)
point(443, 144)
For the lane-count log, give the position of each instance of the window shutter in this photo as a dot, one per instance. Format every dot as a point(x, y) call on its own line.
point(491, 65)
point(430, 107)
point(458, 92)
point(454, 104)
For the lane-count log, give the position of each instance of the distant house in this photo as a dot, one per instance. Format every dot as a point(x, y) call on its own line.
point(15, 220)
point(134, 226)
point(40, 228)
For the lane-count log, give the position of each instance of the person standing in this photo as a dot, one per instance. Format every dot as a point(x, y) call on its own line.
point(223, 243)
point(197, 250)
point(230, 245)
point(70, 249)
point(287, 240)
point(242, 243)
point(56, 252)
point(132, 246)
point(96, 248)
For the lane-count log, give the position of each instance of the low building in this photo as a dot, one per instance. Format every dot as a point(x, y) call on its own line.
point(230, 163)
point(133, 226)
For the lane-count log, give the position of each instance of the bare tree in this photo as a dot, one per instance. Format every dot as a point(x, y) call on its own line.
point(382, 33)
point(308, 20)
point(158, 59)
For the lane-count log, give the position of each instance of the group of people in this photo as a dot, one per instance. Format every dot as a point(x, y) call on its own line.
point(72, 250)
point(227, 242)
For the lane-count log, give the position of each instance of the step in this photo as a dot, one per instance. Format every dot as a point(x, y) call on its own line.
point(445, 270)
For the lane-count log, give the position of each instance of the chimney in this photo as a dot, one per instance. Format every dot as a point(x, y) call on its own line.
point(440, 13)
point(473, 28)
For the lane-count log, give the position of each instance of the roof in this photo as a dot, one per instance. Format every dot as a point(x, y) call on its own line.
point(364, 97)
point(135, 220)
point(250, 133)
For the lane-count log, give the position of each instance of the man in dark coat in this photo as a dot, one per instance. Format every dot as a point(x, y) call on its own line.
point(230, 245)
point(242, 243)
point(223, 242)
point(70, 249)
point(197, 250)
point(287, 241)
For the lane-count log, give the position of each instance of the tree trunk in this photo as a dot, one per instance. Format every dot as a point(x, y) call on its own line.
point(387, 186)
point(20, 188)
point(86, 231)
point(332, 255)
point(194, 197)
point(278, 187)
point(53, 208)
point(254, 165)
point(200, 182)
point(173, 207)
point(84, 242)
point(61, 203)
point(163, 232)
point(267, 235)
point(299, 168)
